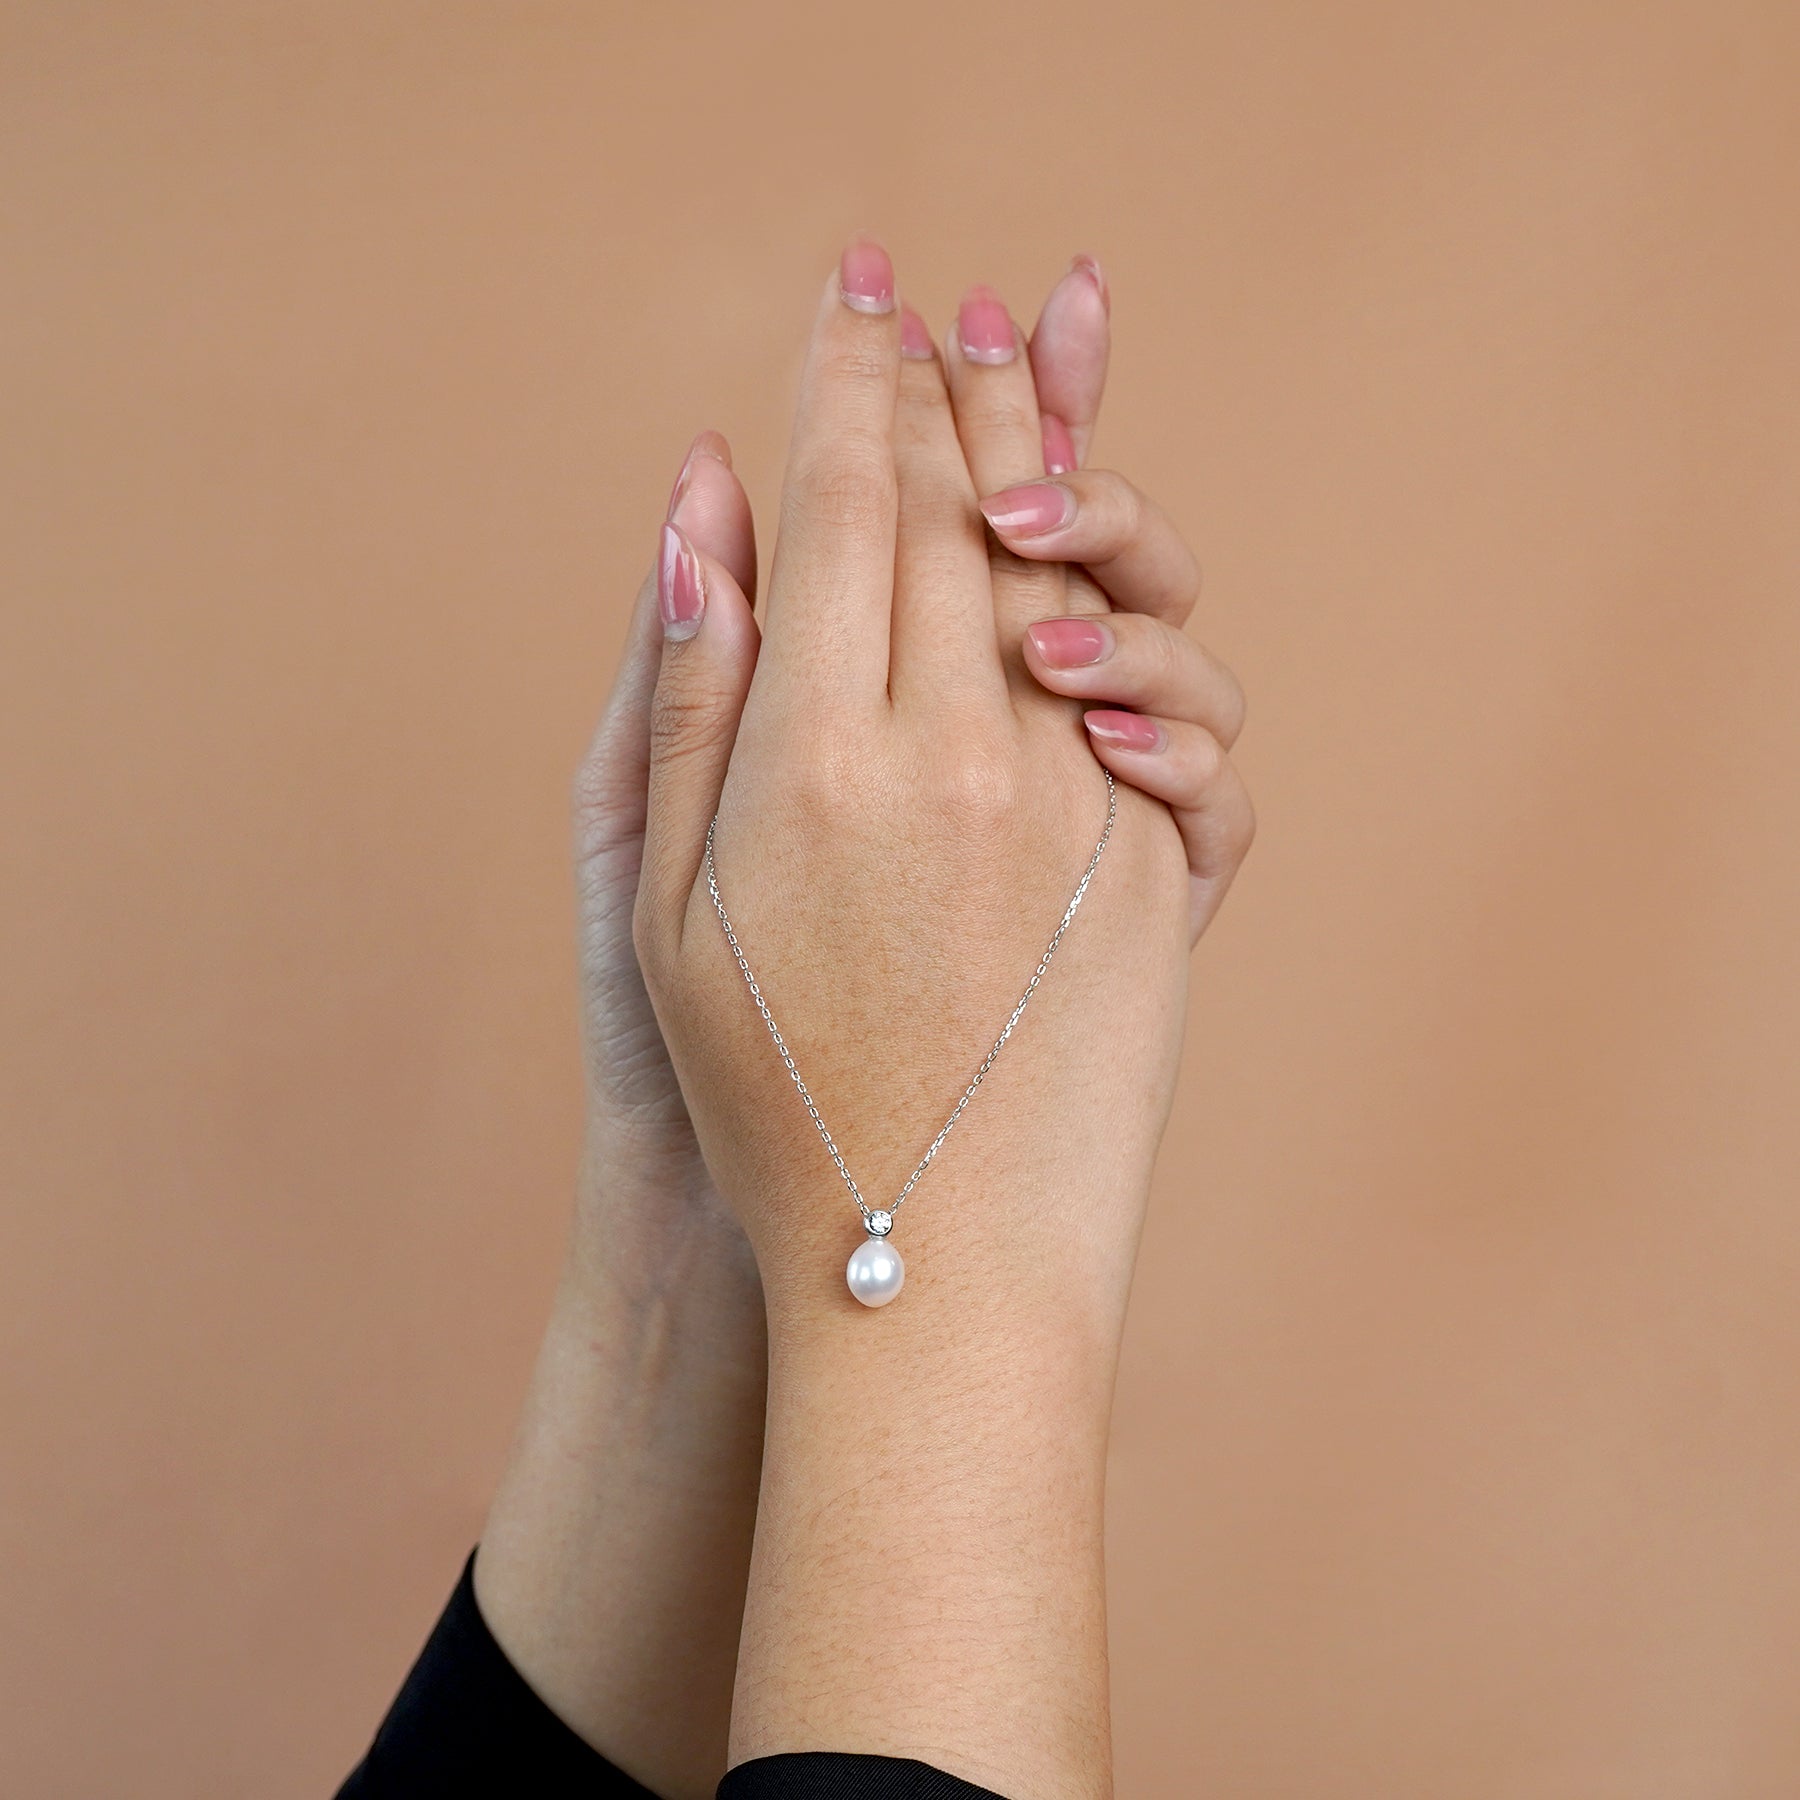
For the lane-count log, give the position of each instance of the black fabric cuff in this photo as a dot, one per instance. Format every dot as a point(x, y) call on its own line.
point(468, 1726)
point(831, 1775)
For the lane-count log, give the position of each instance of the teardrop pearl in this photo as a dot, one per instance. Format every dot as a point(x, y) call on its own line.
point(876, 1272)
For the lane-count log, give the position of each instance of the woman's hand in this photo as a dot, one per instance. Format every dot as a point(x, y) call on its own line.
point(902, 814)
point(613, 1563)
point(903, 809)
point(621, 1605)
point(1187, 706)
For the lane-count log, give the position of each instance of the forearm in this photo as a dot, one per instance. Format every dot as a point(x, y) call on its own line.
point(613, 1565)
point(928, 1578)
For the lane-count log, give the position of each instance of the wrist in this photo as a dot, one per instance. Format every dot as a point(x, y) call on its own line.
point(612, 1567)
point(649, 1226)
point(949, 1605)
point(992, 1257)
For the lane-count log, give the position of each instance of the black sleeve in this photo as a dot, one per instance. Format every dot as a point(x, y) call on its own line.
point(466, 1726)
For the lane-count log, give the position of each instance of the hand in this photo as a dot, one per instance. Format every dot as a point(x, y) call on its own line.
point(1135, 561)
point(1188, 705)
point(620, 1606)
point(902, 814)
point(635, 1109)
point(902, 806)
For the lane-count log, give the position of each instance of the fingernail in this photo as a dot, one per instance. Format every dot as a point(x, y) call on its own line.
point(915, 336)
point(1034, 510)
point(1059, 447)
point(679, 592)
point(1124, 730)
point(1086, 265)
point(866, 277)
point(708, 443)
point(984, 327)
point(1071, 643)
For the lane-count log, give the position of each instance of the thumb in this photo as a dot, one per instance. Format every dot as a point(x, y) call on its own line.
point(611, 788)
point(708, 655)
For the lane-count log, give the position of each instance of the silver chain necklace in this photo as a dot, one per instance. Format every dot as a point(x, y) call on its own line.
point(876, 1272)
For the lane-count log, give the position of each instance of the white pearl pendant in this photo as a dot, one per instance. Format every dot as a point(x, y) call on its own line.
point(876, 1272)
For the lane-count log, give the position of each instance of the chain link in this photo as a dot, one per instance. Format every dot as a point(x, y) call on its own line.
point(987, 1062)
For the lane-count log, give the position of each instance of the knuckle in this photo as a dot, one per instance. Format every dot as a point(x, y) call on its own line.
point(822, 785)
point(1005, 416)
point(1132, 517)
point(1187, 587)
point(1206, 761)
point(980, 787)
point(1230, 705)
point(1168, 656)
point(856, 357)
point(684, 720)
point(1237, 706)
point(852, 489)
point(922, 394)
point(1242, 831)
point(1037, 586)
point(606, 808)
point(594, 790)
point(933, 487)
point(935, 506)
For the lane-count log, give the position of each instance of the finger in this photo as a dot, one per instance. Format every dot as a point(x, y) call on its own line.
point(831, 587)
point(944, 645)
point(709, 651)
point(611, 789)
point(1187, 768)
point(1124, 540)
point(612, 781)
point(995, 400)
point(1130, 659)
point(708, 502)
point(1069, 348)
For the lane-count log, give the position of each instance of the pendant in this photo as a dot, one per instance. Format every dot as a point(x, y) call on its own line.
point(876, 1272)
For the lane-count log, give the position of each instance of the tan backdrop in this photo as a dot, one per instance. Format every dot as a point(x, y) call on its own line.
point(348, 351)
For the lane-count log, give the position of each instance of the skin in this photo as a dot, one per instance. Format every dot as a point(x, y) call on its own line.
point(926, 1575)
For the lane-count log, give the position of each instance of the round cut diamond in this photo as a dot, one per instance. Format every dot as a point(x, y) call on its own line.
point(879, 1223)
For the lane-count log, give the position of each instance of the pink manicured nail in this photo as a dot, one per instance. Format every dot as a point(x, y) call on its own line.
point(1123, 730)
point(1086, 265)
point(915, 336)
point(985, 328)
point(708, 443)
point(679, 592)
point(866, 277)
point(1071, 643)
point(1034, 510)
point(1059, 447)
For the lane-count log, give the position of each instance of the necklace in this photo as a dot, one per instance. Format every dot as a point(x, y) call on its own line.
point(875, 1273)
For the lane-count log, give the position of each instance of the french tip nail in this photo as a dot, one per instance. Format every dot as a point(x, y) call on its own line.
point(1124, 731)
point(1033, 510)
point(713, 443)
point(1084, 264)
point(680, 592)
point(866, 276)
point(984, 328)
point(679, 491)
point(706, 443)
point(915, 337)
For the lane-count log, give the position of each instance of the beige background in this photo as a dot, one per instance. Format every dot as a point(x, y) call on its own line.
point(347, 353)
